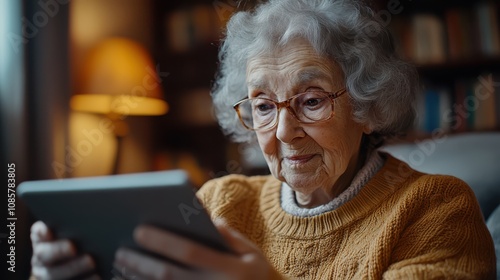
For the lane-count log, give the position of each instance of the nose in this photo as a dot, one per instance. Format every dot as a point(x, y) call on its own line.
point(288, 127)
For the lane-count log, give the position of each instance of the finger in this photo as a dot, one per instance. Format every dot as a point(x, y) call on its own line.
point(40, 232)
point(93, 277)
point(47, 253)
point(237, 241)
point(66, 270)
point(255, 265)
point(181, 249)
point(134, 265)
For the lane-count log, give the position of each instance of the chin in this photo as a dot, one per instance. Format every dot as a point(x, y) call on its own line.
point(306, 183)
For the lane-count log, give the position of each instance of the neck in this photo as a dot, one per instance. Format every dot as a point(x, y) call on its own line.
point(319, 197)
point(323, 196)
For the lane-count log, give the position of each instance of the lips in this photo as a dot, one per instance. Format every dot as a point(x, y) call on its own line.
point(299, 159)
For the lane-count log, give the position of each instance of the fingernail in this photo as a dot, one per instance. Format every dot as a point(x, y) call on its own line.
point(68, 248)
point(94, 277)
point(220, 221)
point(89, 261)
point(139, 232)
point(43, 231)
point(120, 254)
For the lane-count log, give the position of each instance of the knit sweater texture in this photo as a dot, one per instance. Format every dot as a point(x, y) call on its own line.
point(403, 224)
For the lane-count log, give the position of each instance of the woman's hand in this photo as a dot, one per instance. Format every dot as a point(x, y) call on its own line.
point(247, 262)
point(56, 259)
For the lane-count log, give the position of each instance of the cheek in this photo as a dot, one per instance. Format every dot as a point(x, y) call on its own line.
point(337, 154)
point(333, 146)
point(267, 142)
point(339, 143)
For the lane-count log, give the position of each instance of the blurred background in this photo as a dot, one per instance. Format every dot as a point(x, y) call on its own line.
point(96, 87)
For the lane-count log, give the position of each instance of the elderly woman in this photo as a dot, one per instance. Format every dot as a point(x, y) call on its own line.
point(318, 85)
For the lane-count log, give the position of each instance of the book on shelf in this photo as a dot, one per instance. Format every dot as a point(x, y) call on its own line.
point(403, 37)
point(476, 103)
point(485, 94)
point(496, 86)
point(451, 35)
point(178, 32)
point(487, 16)
point(470, 29)
point(461, 114)
point(429, 42)
point(454, 33)
point(189, 27)
point(469, 105)
point(433, 108)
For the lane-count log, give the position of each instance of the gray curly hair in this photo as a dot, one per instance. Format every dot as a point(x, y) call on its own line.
point(382, 87)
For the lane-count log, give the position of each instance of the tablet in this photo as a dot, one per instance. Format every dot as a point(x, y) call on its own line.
point(100, 213)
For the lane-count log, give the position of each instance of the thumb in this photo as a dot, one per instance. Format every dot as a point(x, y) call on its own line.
point(40, 232)
point(237, 241)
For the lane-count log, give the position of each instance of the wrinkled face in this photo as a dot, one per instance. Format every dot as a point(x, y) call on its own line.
point(308, 157)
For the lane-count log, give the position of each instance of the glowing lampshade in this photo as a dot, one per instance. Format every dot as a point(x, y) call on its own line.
point(119, 77)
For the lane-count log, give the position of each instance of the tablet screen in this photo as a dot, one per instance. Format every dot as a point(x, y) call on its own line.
point(100, 213)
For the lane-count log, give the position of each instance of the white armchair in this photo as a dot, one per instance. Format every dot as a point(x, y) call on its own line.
point(472, 157)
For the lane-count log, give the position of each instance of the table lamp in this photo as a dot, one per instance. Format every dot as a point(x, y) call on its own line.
point(118, 79)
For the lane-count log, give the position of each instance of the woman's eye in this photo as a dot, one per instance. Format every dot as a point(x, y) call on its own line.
point(263, 106)
point(311, 102)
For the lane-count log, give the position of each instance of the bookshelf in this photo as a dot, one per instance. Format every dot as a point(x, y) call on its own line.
point(186, 44)
point(187, 37)
point(456, 47)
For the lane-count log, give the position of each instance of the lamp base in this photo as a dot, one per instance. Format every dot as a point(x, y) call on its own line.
point(119, 140)
point(120, 129)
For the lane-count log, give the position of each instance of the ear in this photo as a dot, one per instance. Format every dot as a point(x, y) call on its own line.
point(367, 129)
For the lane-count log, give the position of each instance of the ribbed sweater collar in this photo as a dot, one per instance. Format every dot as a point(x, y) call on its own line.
point(382, 184)
point(372, 165)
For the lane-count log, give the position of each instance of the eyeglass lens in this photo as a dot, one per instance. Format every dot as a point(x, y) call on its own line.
point(307, 107)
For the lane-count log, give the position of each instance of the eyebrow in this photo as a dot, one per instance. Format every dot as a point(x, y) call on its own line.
point(259, 83)
point(304, 76)
point(307, 75)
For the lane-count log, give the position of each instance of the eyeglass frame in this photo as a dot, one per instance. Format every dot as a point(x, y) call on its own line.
point(286, 104)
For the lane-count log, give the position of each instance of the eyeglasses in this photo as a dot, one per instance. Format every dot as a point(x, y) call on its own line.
point(307, 107)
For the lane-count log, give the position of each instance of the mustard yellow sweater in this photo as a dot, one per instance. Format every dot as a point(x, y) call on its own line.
point(401, 225)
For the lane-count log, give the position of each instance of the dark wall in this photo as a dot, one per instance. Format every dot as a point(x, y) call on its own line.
point(34, 93)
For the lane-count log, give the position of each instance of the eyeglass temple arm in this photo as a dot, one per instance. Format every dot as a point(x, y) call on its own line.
point(338, 93)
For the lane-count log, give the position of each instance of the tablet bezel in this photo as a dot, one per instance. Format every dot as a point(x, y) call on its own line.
point(165, 199)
